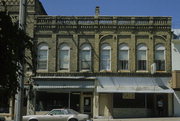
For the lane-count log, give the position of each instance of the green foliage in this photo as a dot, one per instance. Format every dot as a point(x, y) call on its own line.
point(13, 42)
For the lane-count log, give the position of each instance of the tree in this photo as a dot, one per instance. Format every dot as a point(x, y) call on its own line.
point(13, 42)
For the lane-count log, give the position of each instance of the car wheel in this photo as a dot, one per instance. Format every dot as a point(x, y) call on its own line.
point(33, 120)
point(73, 119)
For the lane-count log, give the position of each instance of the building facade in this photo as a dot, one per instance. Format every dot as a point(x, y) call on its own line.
point(105, 66)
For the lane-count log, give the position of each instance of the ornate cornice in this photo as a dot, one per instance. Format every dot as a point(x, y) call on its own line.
point(116, 23)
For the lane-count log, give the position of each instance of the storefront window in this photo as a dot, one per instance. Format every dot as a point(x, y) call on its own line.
point(4, 103)
point(133, 101)
point(48, 101)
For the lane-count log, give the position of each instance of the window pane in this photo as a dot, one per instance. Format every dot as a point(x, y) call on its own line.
point(86, 65)
point(42, 64)
point(160, 65)
point(159, 55)
point(85, 55)
point(123, 65)
point(86, 59)
point(141, 55)
point(160, 60)
point(123, 55)
point(141, 64)
point(64, 59)
point(42, 55)
point(42, 59)
point(105, 60)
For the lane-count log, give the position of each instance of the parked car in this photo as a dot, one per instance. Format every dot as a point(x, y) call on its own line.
point(58, 115)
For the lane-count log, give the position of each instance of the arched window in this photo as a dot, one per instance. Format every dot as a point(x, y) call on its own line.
point(64, 57)
point(123, 57)
point(105, 63)
point(160, 57)
point(85, 57)
point(141, 57)
point(42, 56)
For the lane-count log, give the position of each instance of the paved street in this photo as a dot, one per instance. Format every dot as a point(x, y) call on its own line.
point(142, 119)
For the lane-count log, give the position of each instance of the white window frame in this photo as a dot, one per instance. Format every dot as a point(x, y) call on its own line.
point(43, 47)
point(161, 47)
point(63, 47)
point(142, 47)
point(85, 47)
point(105, 47)
point(123, 47)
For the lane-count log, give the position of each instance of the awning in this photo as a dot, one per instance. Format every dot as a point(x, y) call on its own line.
point(134, 85)
point(66, 85)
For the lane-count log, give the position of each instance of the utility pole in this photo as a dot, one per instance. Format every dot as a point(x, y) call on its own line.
point(19, 96)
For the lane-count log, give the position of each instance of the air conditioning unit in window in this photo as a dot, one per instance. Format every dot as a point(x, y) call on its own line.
point(153, 68)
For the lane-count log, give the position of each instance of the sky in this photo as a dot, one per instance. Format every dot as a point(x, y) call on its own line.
point(115, 8)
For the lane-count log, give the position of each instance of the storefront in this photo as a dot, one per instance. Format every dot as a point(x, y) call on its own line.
point(75, 93)
point(134, 96)
point(108, 97)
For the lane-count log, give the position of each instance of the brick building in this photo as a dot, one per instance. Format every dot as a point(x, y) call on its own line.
point(106, 66)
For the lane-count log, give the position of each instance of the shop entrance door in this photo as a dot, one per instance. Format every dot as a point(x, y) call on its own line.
point(88, 105)
point(161, 105)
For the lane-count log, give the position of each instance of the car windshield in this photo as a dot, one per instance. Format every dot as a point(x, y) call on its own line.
point(56, 112)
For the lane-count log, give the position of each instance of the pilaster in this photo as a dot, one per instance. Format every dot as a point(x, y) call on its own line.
point(132, 53)
point(52, 54)
point(114, 54)
point(96, 64)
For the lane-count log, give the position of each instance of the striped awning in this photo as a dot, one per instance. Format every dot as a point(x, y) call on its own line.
point(134, 85)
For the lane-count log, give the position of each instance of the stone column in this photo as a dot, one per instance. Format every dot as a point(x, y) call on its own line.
point(95, 101)
point(170, 104)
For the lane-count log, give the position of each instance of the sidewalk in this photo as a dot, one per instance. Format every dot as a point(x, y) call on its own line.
point(138, 119)
point(142, 119)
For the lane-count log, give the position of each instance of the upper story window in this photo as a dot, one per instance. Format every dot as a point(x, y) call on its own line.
point(105, 63)
point(64, 57)
point(85, 57)
point(123, 57)
point(160, 57)
point(141, 57)
point(42, 56)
